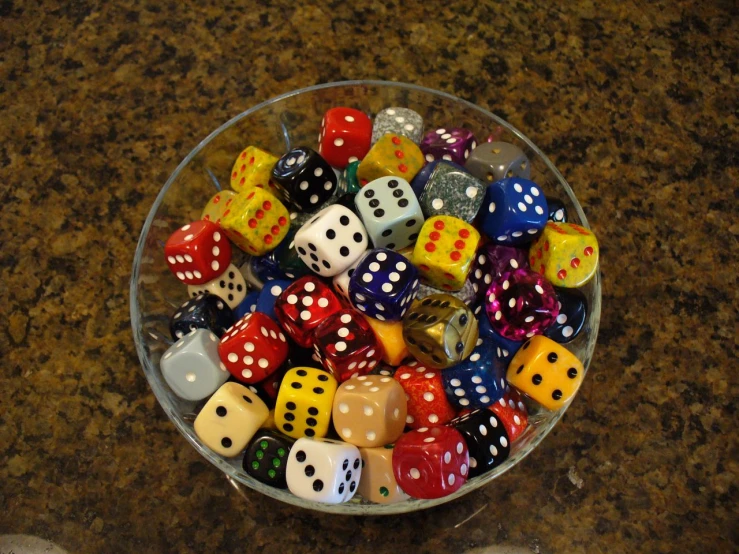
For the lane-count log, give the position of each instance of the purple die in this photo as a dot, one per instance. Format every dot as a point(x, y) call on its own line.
point(418, 184)
point(452, 145)
point(514, 211)
point(383, 285)
point(478, 381)
point(520, 304)
point(491, 261)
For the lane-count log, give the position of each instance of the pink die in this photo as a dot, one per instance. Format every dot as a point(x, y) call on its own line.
point(452, 145)
point(198, 252)
point(431, 462)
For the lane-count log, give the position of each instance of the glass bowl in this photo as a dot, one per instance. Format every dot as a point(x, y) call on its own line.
point(291, 120)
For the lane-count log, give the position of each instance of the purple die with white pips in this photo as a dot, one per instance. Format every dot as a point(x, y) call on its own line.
point(491, 261)
point(383, 285)
point(452, 145)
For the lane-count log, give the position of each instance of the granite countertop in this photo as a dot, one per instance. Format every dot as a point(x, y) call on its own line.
point(635, 102)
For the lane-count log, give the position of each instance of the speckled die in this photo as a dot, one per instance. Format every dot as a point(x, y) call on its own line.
point(452, 192)
point(392, 155)
point(400, 121)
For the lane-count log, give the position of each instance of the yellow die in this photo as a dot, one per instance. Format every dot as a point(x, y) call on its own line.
point(256, 221)
point(304, 402)
point(566, 254)
point(218, 204)
point(445, 251)
point(377, 483)
point(230, 418)
point(391, 156)
point(390, 335)
point(546, 371)
point(253, 168)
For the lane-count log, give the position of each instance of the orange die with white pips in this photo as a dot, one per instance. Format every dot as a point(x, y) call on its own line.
point(256, 221)
point(427, 401)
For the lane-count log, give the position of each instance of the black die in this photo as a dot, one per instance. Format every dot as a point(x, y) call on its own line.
point(305, 179)
point(266, 458)
point(205, 311)
point(573, 309)
point(557, 210)
point(486, 438)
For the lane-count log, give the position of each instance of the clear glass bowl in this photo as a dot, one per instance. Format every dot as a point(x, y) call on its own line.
point(277, 125)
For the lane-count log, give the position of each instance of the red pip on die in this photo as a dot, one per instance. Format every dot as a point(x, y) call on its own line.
point(198, 252)
point(253, 348)
point(345, 137)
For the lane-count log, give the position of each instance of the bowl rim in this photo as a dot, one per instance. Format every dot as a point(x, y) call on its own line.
point(409, 505)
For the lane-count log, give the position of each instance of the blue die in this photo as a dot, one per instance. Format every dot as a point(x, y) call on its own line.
point(503, 348)
point(258, 270)
point(477, 382)
point(418, 184)
point(513, 211)
point(269, 295)
point(383, 285)
point(248, 305)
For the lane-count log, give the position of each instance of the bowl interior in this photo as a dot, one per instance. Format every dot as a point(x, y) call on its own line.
point(284, 122)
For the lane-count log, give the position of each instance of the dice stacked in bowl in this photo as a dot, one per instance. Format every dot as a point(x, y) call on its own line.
point(400, 298)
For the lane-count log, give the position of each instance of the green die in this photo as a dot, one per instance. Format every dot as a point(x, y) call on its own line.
point(287, 257)
point(348, 181)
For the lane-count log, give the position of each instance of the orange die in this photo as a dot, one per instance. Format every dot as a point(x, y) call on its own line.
point(378, 483)
point(390, 335)
point(256, 221)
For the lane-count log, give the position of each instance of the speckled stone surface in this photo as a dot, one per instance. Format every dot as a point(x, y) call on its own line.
point(634, 101)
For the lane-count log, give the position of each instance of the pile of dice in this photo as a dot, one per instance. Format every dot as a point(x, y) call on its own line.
point(408, 291)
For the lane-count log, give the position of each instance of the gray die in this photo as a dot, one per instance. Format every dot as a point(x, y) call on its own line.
point(191, 366)
point(493, 161)
point(400, 121)
point(450, 191)
point(390, 212)
point(466, 294)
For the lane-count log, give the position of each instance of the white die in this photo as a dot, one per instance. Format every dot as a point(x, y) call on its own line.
point(331, 241)
point(341, 281)
point(229, 285)
point(191, 366)
point(323, 470)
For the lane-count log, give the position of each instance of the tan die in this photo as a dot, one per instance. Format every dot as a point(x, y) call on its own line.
point(378, 482)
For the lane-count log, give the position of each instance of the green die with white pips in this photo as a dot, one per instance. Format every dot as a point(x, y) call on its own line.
point(377, 483)
point(348, 182)
point(451, 191)
point(266, 458)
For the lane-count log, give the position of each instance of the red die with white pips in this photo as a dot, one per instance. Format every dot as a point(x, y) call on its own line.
point(198, 252)
point(345, 136)
point(427, 402)
point(253, 348)
point(303, 306)
point(512, 412)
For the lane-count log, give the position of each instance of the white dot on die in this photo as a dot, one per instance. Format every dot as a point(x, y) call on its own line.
point(535, 191)
point(246, 374)
point(433, 418)
point(528, 199)
point(471, 192)
point(367, 277)
point(248, 360)
point(567, 332)
point(429, 158)
point(346, 432)
point(340, 346)
point(323, 302)
point(313, 198)
point(263, 363)
point(409, 419)
point(437, 203)
point(307, 301)
point(474, 357)
point(460, 447)
point(349, 118)
point(309, 287)
point(415, 474)
point(387, 287)
point(303, 185)
point(539, 210)
point(343, 332)
point(518, 188)
point(539, 289)
point(428, 396)
point(305, 315)
point(491, 207)
point(503, 442)
point(450, 479)
point(447, 457)
point(249, 347)
point(429, 439)
point(516, 420)
point(292, 299)
point(394, 277)
point(339, 142)
point(344, 408)
point(522, 206)
point(374, 266)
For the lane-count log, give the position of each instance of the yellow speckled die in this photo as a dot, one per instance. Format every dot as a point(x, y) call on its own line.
point(377, 483)
point(390, 335)
point(391, 156)
point(253, 168)
point(445, 251)
point(546, 371)
point(215, 207)
point(256, 221)
point(304, 402)
point(566, 254)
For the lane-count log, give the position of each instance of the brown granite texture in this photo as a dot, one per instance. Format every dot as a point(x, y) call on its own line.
point(636, 103)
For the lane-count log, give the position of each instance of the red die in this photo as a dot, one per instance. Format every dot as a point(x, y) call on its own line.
point(303, 306)
point(427, 402)
point(512, 412)
point(346, 136)
point(198, 252)
point(346, 345)
point(431, 462)
point(253, 348)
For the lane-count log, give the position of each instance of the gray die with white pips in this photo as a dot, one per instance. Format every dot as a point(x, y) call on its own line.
point(450, 191)
point(399, 121)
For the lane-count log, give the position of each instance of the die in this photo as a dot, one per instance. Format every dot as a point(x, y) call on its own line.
point(466, 294)
point(478, 381)
point(345, 136)
point(348, 182)
point(331, 241)
point(269, 295)
point(197, 252)
point(258, 270)
point(493, 161)
point(253, 168)
point(253, 348)
point(390, 335)
point(378, 483)
point(512, 412)
point(383, 370)
point(431, 462)
point(418, 183)
point(520, 304)
point(324, 470)
point(219, 202)
point(453, 144)
point(204, 311)
point(341, 281)
point(287, 259)
point(229, 286)
point(445, 251)
point(346, 345)
point(392, 155)
point(268, 389)
point(266, 458)
point(383, 285)
point(390, 212)
point(440, 331)
point(247, 306)
point(427, 404)
point(369, 410)
point(557, 210)
point(513, 211)
point(305, 179)
point(304, 402)
point(191, 366)
point(546, 372)
point(504, 348)
point(492, 260)
point(449, 191)
point(256, 221)
point(573, 310)
point(303, 306)
point(566, 254)
point(229, 419)
point(399, 121)
point(486, 438)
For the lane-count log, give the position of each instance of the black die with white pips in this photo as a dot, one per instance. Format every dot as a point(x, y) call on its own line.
point(557, 210)
point(305, 179)
point(573, 310)
point(324, 470)
point(204, 311)
point(486, 438)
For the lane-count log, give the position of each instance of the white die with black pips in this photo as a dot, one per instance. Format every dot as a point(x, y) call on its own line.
point(323, 470)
